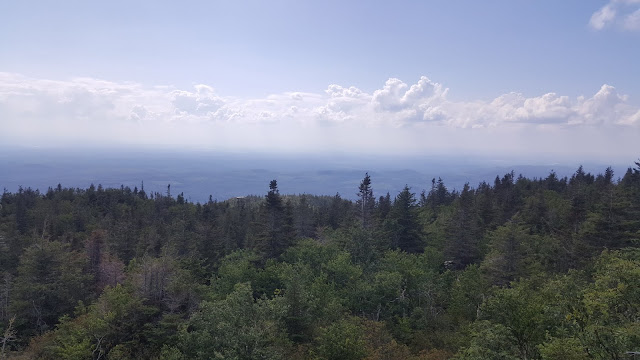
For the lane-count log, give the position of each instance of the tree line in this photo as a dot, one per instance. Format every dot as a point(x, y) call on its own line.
point(542, 268)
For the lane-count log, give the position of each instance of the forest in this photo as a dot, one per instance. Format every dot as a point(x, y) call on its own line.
point(542, 268)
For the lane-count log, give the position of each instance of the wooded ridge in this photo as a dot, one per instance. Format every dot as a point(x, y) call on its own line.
point(542, 268)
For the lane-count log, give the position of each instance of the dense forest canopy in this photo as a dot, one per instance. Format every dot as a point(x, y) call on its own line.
point(543, 268)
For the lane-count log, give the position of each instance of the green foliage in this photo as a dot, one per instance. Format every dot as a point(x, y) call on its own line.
point(275, 227)
point(237, 267)
point(366, 202)
point(520, 269)
point(402, 225)
point(468, 293)
point(463, 231)
point(311, 300)
point(563, 348)
point(520, 310)
point(490, 341)
point(611, 313)
point(511, 254)
point(171, 353)
point(342, 340)
point(113, 325)
point(50, 282)
point(237, 327)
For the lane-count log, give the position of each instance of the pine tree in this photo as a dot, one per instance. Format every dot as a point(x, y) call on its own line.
point(383, 207)
point(304, 220)
point(406, 231)
point(463, 230)
point(50, 282)
point(366, 202)
point(338, 212)
point(508, 253)
point(276, 231)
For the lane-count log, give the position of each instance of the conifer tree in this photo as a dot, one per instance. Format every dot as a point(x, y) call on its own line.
point(438, 195)
point(383, 207)
point(303, 217)
point(406, 227)
point(276, 231)
point(463, 230)
point(366, 202)
point(50, 282)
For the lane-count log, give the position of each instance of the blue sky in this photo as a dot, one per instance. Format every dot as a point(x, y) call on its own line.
point(402, 76)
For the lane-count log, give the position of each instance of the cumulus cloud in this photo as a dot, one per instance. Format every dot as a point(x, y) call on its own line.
point(632, 21)
point(602, 17)
point(624, 13)
point(605, 107)
point(93, 110)
point(514, 107)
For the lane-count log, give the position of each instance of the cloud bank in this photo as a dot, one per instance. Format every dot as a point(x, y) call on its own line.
point(623, 13)
point(397, 117)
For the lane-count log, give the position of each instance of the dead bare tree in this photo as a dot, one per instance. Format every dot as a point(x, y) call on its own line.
point(8, 336)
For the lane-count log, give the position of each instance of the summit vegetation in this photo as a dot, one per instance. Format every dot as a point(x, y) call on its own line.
point(542, 268)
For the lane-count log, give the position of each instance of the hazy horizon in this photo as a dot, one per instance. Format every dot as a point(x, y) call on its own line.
point(219, 98)
point(224, 175)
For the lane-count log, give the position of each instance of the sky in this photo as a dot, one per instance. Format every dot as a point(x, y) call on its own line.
point(524, 78)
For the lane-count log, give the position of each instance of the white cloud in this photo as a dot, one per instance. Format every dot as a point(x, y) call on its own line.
point(629, 19)
point(632, 119)
point(337, 91)
point(632, 21)
point(605, 107)
point(602, 17)
point(398, 115)
point(514, 107)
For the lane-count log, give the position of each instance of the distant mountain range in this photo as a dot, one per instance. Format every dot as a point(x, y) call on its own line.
point(224, 175)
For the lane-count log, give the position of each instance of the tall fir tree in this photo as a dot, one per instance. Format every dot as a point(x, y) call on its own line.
point(463, 230)
point(276, 230)
point(366, 202)
point(406, 231)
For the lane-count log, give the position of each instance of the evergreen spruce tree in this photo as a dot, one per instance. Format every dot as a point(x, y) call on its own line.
point(303, 216)
point(438, 195)
point(463, 230)
point(383, 208)
point(407, 233)
point(276, 231)
point(366, 202)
